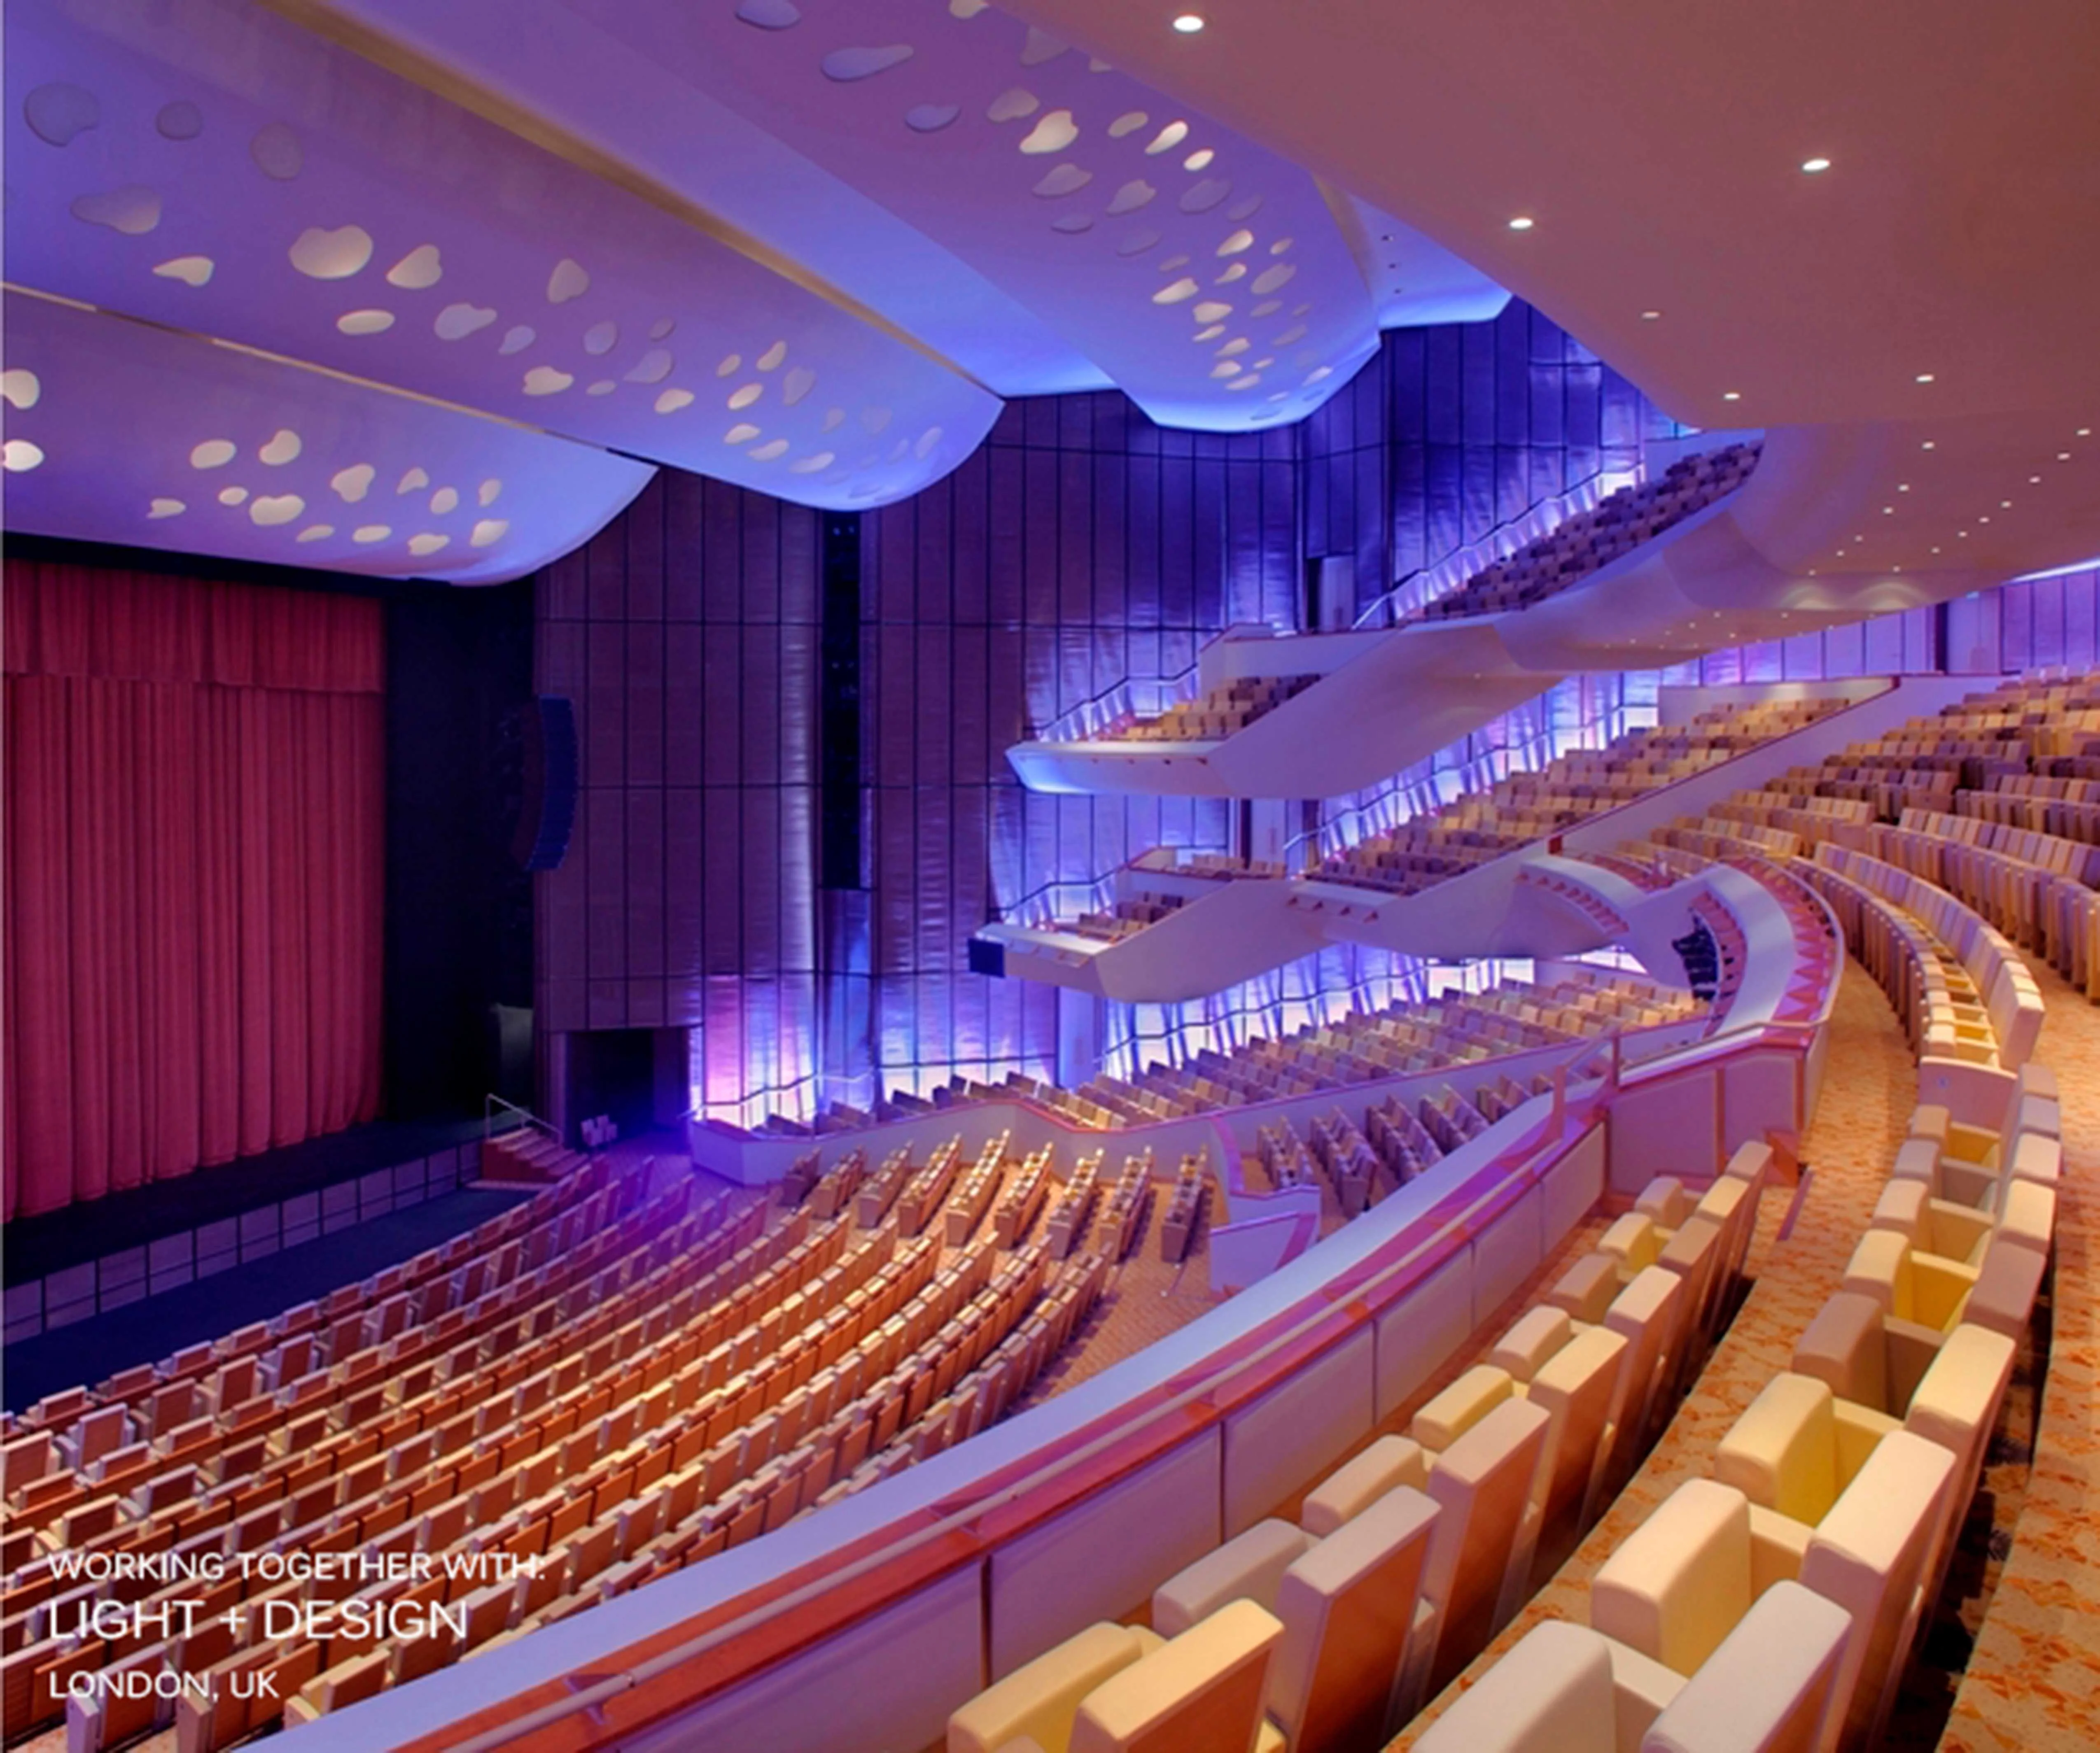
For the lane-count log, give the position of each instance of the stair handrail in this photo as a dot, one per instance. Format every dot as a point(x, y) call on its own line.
point(491, 1102)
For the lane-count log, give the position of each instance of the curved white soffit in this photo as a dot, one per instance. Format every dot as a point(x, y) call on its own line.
point(1204, 274)
point(121, 432)
point(235, 175)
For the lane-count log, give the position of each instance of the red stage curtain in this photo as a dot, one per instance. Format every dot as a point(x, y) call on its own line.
point(195, 789)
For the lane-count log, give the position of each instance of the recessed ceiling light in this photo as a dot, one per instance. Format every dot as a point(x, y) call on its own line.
point(1651, 316)
point(1522, 222)
point(1927, 446)
point(1888, 511)
point(2084, 432)
point(1902, 486)
point(1935, 550)
point(2063, 457)
point(1984, 518)
point(2034, 480)
point(1963, 534)
point(1189, 23)
point(1732, 395)
point(1925, 377)
point(2004, 504)
point(1812, 165)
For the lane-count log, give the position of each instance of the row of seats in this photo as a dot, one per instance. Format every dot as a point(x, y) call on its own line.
point(1588, 540)
point(1324, 1632)
point(1773, 1604)
point(1211, 717)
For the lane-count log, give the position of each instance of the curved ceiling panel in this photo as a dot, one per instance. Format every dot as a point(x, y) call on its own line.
point(121, 431)
point(217, 169)
point(1206, 276)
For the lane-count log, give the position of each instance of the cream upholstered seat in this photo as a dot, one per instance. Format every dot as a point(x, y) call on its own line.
point(1482, 1484)
point(1038, 1702)
point(1633, 1242)
point(1586, 1288)
point(1449, 1415)
point(1797, 1446)
point(1665, 1201)
point(1532, 1338)
point(1650, 1314)
point(1577, 1387)
point(1203, 1688)
point(1247, 1567)
point(1566, 1688)
point(1690, 1573)
point(1387, 1465)
point(1348, 1609)
point(2021, 1212)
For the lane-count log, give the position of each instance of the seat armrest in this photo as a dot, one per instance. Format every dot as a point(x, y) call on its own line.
point(1939, 1288)
point(1778, 1545)
point(1956, 1230)
point(1910, 1351)
point(1859, 1428)
point(1642, 1688)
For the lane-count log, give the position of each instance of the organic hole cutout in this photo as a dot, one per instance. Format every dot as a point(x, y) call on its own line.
point(516, 339)
point(603, 386)
point(745, 394)
point(57, 113)
point(1167, 139)
point(1236, 271)
point(875, 419)
point(1131, 196)
point(1063, 179)
point(966, 8)
point(1137, 243)
point(366, 534)
point(20, 387)
point(1172, 262)
point(742, 432)
point(1271, 279)
point(269, 511)
point(729, 361)
point(277, 152)
point(931, 118)
point(1268, 307)
point(365, 322)
point(770, 15)
point(233, 495)
point(166, 508)
point(19, 456)
point(652, 368)
point(569, 281)
point(353, 483)
point(1243, 210)
point(418, 271)
point(1072, 224)
point(770, 359)
point(772, 449)
point(1226, 368)
point(1239, 344)
point(1175, 292)
point(661, 327)
point(445, 499)
point(181, 120)
point(284, 447)
point(1282, 245)
point(1236, 243)
point(191, 270)
point(1206, 195)
point(489, 490)
point(1012, 104)
point(1129, 123)
point(488, 531)
point(1212, 334)
point(316, 532)
point(413, 482)
point(1199, 160)
point(671, 400)
point(428, 543)
point(1041, 47)
point(927, 440)
point(798, 383)
point(1287, 337)
point(323, 255)
point(1052, 133)
point(1211, 310)
point(846, 65)
point(834, 418)
point(810, 466)
point(131, 211)
point(455, 322)
point(601, 338)
point(213, 453)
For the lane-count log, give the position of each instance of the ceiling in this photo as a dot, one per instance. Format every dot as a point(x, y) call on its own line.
point(808, 245)
point(803, 247)
point(1915, 321)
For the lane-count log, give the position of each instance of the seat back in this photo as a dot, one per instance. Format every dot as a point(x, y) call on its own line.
point(1576, 1387)
point(1767, 1687)
point(1483, 1485)
point(1956, 1407)
point(1844, 1347)
point(1348, 1608)
point(1782, 1452)
point(1869, 1555)
point(1650, 1314)
point(1203, 1688)
point(1041, 1698)
point(1680, 1581)
point(1250, 1566)
point(1449, 1416)
point(1551, 1693)
point(1388, 1464)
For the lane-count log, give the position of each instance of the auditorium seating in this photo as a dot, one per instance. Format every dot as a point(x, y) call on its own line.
point(1589, 540)
point(1209, 717)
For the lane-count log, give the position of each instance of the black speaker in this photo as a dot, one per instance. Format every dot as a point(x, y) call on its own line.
point(987, 955)
point(547, 812)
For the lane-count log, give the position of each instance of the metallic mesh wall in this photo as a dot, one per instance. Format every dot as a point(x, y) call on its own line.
point(1080, 545)
point(685, 633)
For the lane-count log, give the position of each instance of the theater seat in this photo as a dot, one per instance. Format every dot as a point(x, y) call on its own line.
point(1567, 1688)
point(1203, 1688)
point(1388, 1464)
point(1038, 1702)
point(1250, 1566)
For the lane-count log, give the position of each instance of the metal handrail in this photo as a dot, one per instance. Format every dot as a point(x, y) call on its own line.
point(491, 1102)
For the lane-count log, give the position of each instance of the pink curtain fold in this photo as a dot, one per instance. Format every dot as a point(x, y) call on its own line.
point(194, 794)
